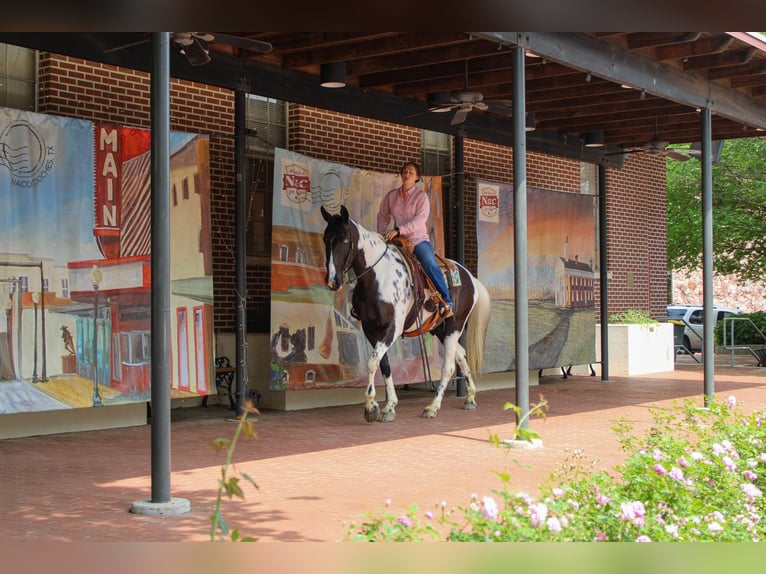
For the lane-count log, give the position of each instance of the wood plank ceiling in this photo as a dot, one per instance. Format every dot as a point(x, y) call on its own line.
point(391, 74)
point(563, 99)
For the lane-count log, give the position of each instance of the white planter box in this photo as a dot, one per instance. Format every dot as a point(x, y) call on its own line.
point(638, 349)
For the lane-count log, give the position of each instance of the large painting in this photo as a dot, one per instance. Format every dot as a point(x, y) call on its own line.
point(315, 341)
point(75, 276)
point(561, 250)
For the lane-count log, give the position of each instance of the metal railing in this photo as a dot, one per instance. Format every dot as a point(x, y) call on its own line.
point(729, 326)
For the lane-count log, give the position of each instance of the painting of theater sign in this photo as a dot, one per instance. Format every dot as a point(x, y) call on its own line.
point(75, 274)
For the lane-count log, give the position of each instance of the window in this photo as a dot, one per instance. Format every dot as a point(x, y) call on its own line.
point(267, 129)
point(436, 159)
point(436, 151)
point(589, 186)
point(588, 178)
point(18, 78)
point(135, 347)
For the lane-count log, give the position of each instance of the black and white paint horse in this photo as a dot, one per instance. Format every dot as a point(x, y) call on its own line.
point(384, 301)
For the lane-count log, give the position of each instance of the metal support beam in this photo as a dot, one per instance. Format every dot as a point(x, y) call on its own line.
point(622, 66)
point(708, 344)
point(459, 210)
point(240, 226)
point(603, 273)
point(521, 296)
point(160, 260)
point(161, 503)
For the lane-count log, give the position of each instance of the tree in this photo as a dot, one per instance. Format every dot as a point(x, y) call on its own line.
point(739, 211)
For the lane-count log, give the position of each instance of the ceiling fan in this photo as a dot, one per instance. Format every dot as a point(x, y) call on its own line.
point(465, 101)
point(194, 45)
point(660, 147)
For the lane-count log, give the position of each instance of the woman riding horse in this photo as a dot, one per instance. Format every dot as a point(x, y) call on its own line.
point(410, 208)
point(386, 304)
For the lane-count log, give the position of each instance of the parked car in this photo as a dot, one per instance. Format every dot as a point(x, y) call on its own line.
point(693, 316)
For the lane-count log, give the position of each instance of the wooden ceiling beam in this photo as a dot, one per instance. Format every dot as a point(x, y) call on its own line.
point(704, 46)
point(415, 74)
point(582, 98)
point(748, 81)
point(614, 116)
point(587, 53)
point(291, 42)
point(754, 67)
point(394, 47)
point(654, 39)
point(730, 58)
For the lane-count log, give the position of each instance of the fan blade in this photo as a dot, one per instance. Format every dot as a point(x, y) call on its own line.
point(502, 107)
point(687, 150)
point(245, 43)
point(440, 108)
point(196, 53)
point(128, 45)
point(675, 155)
point(626, 151)
point(460, 116)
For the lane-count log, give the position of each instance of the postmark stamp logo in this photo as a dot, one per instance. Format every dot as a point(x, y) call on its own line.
point(25, 154)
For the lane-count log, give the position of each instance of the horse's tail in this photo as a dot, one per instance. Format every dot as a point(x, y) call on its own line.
point(477, 329)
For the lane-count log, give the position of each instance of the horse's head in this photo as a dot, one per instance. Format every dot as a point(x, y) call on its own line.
point(339, 245)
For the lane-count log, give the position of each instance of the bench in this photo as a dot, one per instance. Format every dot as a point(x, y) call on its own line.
point(224, 377)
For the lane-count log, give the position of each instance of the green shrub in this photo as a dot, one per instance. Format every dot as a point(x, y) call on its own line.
point(745, 333)
point(633, 316)
point(697, 475)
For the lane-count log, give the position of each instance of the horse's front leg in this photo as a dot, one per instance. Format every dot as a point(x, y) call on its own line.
point(371, 409)
point(448, 369)
point(389, 411)
point(470, 396)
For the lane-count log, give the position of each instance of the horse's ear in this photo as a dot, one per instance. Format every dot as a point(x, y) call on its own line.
point(325, 213)
point(344, 213)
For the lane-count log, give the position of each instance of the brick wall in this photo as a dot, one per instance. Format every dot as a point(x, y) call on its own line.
point(636, 235)
point(636, 200)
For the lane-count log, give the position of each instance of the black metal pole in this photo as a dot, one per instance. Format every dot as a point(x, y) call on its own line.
point(708, 348)
point(460, 386)
point(520, 237)
point(240, 226)
point(603, 273)
point(161, 502)
point(160, 245)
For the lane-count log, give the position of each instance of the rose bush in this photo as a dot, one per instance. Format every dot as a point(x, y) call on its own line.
point(696, 475)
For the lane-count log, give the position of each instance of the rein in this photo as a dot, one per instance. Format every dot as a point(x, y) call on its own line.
point(348, 281)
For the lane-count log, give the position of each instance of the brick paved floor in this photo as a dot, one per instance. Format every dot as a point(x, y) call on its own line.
point(320, 469)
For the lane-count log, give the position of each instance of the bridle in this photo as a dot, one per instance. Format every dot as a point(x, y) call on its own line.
point(347, 263)
point(371, 267)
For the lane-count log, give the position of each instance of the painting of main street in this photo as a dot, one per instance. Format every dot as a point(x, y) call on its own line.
point(61, 392)
point(68, 391)
point(75, 264)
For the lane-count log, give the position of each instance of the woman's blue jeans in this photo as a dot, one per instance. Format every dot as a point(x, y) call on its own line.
point(424, 251)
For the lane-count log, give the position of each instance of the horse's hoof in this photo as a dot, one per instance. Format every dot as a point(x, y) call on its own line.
point(372, 415)
point(428, 414)
point(387, 417)
point(469, 406)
